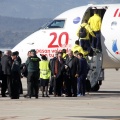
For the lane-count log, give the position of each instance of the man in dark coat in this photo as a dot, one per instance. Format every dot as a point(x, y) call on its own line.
point(6, 63)
point(15, 77)
point(52, 61)
point(20, 62)
point(82, 75)
point(18, 58)
point(72, 63)
point(57, 72)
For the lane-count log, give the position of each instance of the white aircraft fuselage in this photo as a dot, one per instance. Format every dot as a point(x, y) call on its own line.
point(61, 34)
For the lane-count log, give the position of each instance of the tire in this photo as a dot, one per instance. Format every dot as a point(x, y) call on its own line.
point(96, 88)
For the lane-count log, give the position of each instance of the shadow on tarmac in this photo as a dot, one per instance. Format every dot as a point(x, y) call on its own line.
point(98, 117)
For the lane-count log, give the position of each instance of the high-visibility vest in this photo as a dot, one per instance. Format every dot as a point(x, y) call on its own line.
point(44, 69)
point(88, 30)
point(79, 49)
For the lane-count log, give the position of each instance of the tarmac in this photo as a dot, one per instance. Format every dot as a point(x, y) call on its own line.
point(101, 105)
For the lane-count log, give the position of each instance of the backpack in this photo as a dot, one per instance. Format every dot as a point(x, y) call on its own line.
point(82, 32)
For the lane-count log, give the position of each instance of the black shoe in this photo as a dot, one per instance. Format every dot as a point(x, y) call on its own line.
point(68, 95)
point(14, 97)
point(36, 96)
point(4, 96)
point(28, 97)
point(50, 93)
point(74, 95)
point(47, 96)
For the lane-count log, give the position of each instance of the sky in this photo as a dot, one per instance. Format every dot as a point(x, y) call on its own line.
point(35, 9)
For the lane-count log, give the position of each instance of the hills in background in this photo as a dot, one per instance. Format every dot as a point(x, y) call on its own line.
point(26, 16)
point(13, 30)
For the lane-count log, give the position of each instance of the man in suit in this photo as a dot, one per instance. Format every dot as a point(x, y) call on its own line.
point(58, 74)
point(6, 62)
point(72, 63)
point(82, 75)
point(51, 68)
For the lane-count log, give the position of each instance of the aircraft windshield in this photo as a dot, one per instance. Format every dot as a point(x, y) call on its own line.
point(56, 24)
point(44, 26)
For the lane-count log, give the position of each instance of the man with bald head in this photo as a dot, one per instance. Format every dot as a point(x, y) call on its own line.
point(72, 63)
point(6, 62)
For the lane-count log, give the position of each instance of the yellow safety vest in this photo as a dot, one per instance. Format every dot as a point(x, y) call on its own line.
point(44, 69)
point(88, 30)
point(79, 49)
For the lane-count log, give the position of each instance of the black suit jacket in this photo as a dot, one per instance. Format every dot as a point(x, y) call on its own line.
point(74, 67)
point(6, 62)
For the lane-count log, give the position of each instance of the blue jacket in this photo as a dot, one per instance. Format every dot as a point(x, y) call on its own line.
point(83, 66)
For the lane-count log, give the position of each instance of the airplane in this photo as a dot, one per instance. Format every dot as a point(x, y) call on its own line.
point(60, 34)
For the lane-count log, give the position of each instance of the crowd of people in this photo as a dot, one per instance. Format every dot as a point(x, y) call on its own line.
point(63, 75)
point(10, 74)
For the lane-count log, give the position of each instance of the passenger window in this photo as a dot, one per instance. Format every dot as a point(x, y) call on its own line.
point(56, 24)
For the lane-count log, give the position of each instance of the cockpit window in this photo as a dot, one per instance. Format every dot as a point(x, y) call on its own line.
point(56, 24)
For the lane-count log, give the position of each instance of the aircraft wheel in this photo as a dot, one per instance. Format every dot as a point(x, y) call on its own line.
point(96, 88)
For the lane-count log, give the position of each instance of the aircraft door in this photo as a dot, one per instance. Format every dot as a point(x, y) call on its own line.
point(96, 73)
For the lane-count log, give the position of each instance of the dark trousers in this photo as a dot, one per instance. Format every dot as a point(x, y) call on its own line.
point(33, 83)
point(78, 85)
point(82, 83)
point(33, 91)
point(51, 85)
point(96, 40)
point(85, 44)
point(71, 86)
point(6, 84)
point(21, 88)
point(15, 85)
point(58, 86)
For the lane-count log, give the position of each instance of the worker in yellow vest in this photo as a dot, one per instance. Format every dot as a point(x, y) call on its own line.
point(83, 33)
point(78, 48)
point(44, 75)
point(95, 24)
